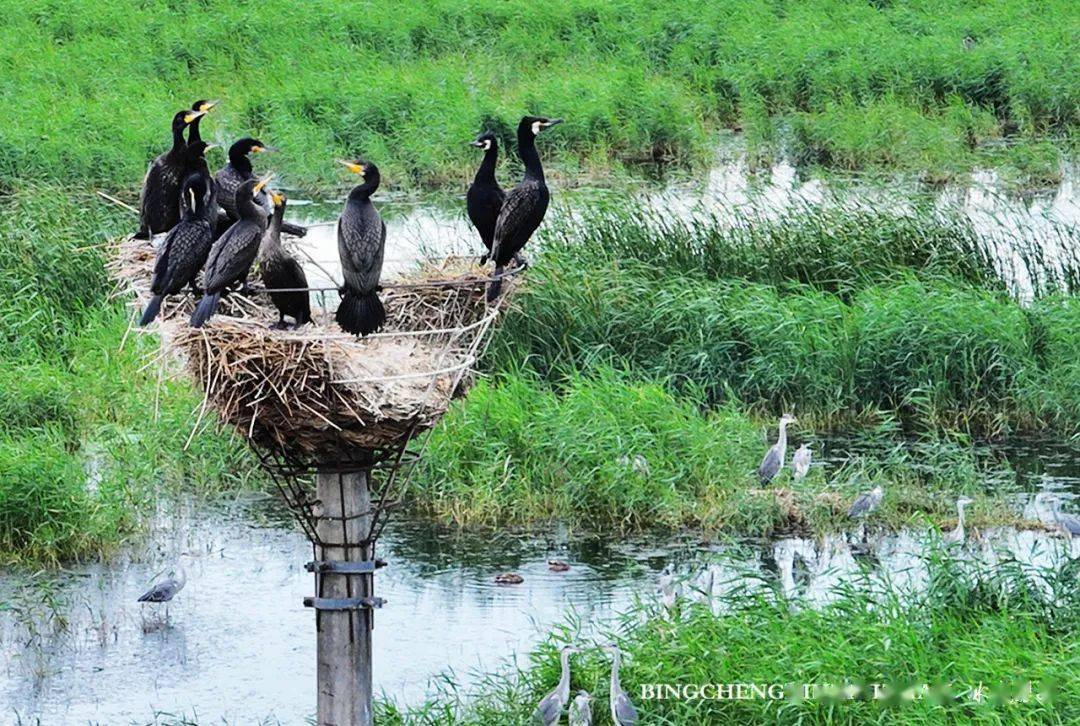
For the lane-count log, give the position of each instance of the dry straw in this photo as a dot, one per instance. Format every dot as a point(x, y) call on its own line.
point(317, 392)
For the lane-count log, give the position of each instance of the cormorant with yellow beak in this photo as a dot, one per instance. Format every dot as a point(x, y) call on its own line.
point(236, 172)
point(361, 241)
point(280, 270)
point(203, 105)
point(159, 203)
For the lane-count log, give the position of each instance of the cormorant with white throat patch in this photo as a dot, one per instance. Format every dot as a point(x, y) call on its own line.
point(361, 241)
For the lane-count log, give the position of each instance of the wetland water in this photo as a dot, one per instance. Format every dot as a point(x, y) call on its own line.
point(238, 646)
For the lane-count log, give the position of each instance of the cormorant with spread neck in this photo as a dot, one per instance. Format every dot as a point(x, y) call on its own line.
point(525, 205)
point(238, 170)
point(159, 203)
point(280, 270)
point(234, 252)
point(203, 105)
point(485, 196)
point(361, 240)
point(186, 247)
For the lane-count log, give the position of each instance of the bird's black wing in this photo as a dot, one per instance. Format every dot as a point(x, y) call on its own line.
point(159, 201)
point(232, 255)
point(228, 180)
point(361, 241)
point(517, 220)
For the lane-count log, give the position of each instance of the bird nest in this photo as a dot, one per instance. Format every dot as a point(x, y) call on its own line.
point(316, 393)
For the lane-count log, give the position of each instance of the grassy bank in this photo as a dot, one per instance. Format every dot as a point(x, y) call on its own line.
point(88, 437)
point(838, 323)
point(607, 452)
point(973, 626)
point(861, 84)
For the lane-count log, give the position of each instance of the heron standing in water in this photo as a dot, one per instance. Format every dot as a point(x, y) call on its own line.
point(550, 709)
point(165, 589)
point(581, 709)
point(623, 712)
point(774, 457)
point(956, 536)
point(1068, 523)
point(800, 462)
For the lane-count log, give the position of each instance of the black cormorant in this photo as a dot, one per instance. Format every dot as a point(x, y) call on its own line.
point(485, 197)
point(234, 252)
point(193, 128)
point(280, 270)
point(525, 205)
point(361, 239)
point(159, 203)
point(238, 170)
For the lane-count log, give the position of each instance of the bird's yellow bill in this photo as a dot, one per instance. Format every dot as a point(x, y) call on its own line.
point(277, 196)
point(262, 183)
point(192, 115)
point(205, 106)
point(352, 166)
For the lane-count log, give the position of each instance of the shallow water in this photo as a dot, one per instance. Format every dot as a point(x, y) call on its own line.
point(238, 645)
point(729, 191)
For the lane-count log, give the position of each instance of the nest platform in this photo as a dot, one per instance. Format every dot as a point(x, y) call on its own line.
point(316, 393)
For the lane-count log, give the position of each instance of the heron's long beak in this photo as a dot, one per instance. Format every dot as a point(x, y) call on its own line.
point(351, 166)
point(192, 115)
point(552, 122)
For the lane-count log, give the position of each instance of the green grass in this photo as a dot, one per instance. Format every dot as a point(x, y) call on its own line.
point(975, 625)
point(939, 352)
point(863, 84)
point(608, 452)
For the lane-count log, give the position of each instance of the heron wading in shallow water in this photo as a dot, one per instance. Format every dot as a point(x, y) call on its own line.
point(165, 589)
point(551, 707)
point(774, 457)
point(1069, 524)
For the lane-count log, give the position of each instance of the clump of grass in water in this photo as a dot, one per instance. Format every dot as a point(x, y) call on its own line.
point(976, 624)
point(607, 452)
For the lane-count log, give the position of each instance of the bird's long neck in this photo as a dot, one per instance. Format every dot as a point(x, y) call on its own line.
point(362, 192)
point(271, 241)
point(616, 661)
point(530, 156)
point(781, 440)
point(178, 142)
point(960, 515)
point(564, 678)
point(486, 172)
point(248, 207)
point(193, 131)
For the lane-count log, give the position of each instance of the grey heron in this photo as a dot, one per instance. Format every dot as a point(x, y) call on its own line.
point(866, 503)
point(623, 712)
point(165, 590)
point(800, 462)
point(956, 536)
point(668, 588)
point(774, 457)
point(581, 709)
point(549, 710)
point(1068, 523)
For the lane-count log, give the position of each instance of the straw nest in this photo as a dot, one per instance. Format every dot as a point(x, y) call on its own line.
point(317, 392)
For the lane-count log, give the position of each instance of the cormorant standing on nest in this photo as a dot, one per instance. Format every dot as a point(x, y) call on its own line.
point(525, 205)
point(203, 105)
point(159, 203)
point(280, 270)
point(239, 170)
point(234, 252)
point(485, 197)
point(361, 240)
point(185, 249)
